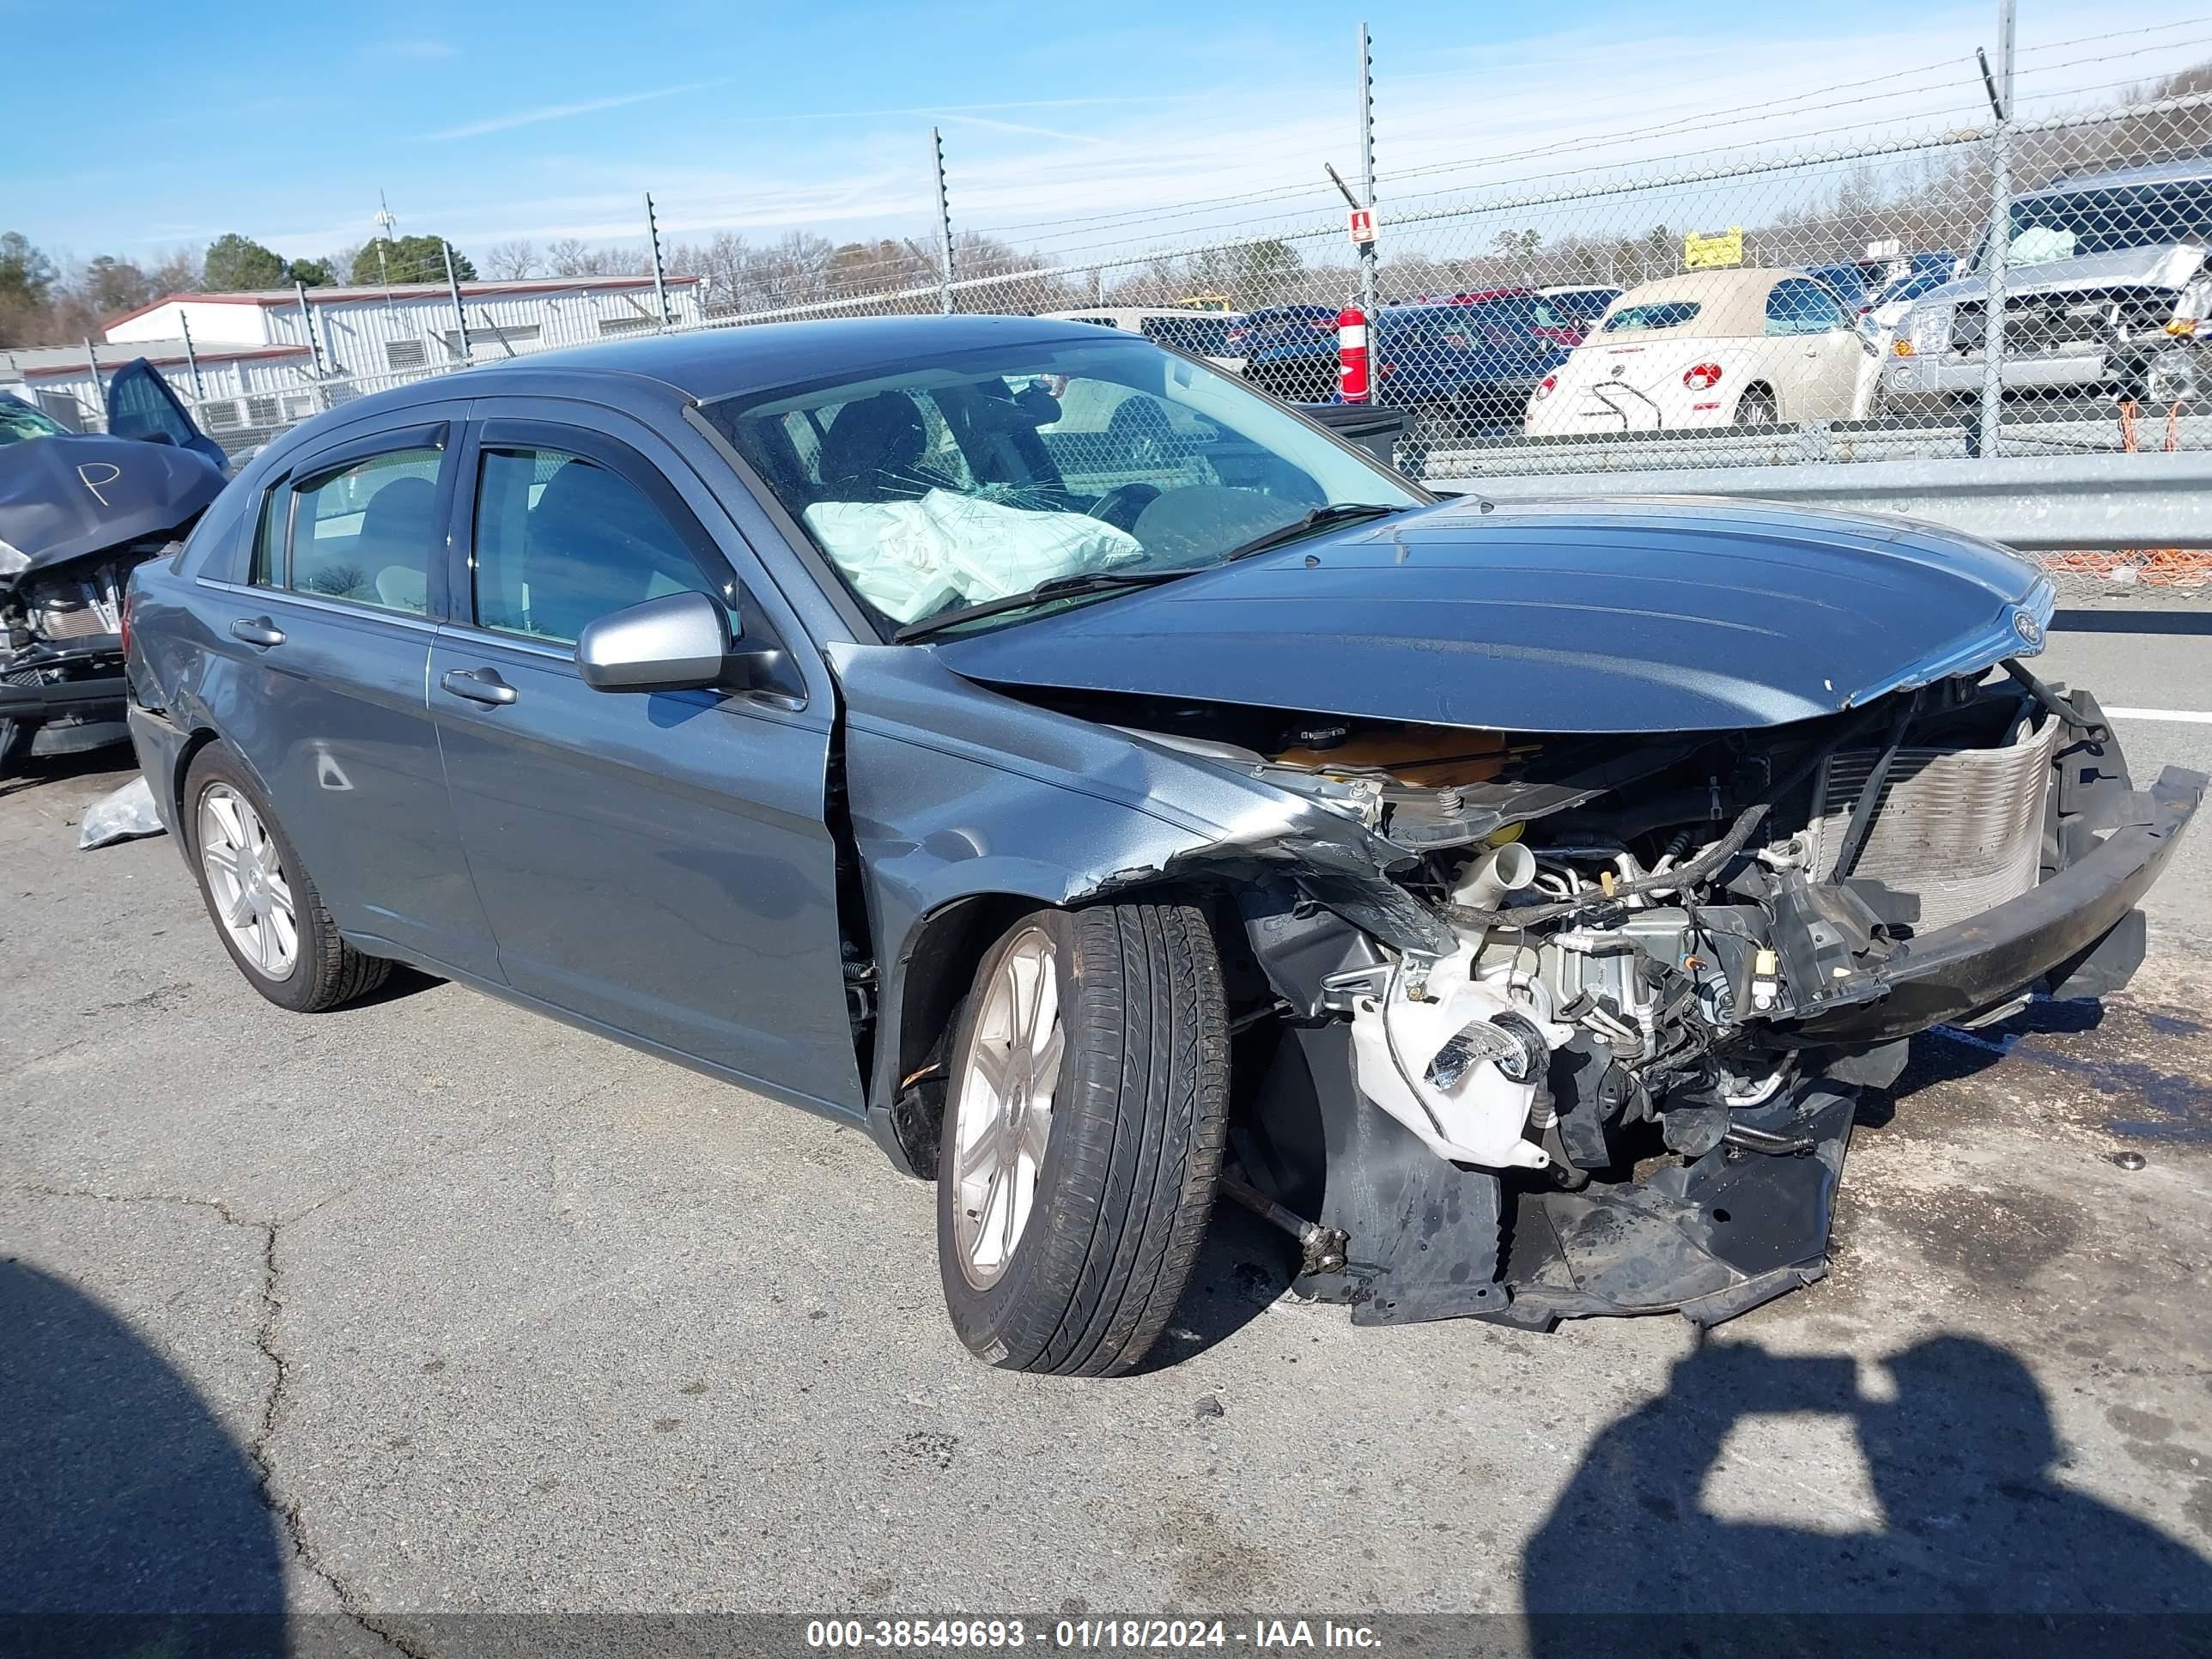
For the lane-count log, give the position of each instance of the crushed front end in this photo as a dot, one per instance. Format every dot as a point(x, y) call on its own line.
point(1626, 1083)
point(61, 653)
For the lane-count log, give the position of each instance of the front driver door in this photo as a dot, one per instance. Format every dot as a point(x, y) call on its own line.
point(1822, 350)
point(657, 864)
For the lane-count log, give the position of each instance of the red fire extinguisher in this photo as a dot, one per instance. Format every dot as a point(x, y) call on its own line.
point(1352, 355)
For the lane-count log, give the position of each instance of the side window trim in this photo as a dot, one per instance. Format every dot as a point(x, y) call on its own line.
point(508, 432)
point(435, 435)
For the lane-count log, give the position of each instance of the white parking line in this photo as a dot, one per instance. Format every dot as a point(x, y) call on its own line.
point(2190, 716)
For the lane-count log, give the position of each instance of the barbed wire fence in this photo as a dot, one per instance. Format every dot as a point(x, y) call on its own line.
point(1810, 277)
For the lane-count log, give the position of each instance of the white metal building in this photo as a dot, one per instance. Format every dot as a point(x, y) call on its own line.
point(253, 362)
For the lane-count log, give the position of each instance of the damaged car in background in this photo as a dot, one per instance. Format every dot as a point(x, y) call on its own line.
point(1117, 793)
point(77, 514)
point(2106, 301)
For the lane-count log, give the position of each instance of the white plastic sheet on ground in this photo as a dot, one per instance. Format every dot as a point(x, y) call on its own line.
point(123, 815)
point(910, 558)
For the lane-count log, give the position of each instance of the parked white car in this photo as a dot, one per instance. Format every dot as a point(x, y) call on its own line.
point(1711, 348)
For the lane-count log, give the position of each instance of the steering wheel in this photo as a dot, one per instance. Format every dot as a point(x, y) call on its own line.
point(1121, 504)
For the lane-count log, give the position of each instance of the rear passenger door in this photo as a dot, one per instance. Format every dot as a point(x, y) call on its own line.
point(658, 864)
point(330, 634)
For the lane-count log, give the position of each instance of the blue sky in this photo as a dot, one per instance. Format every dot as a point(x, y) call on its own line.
point(486, 122)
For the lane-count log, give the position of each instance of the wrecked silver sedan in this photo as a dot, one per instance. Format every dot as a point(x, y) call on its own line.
point(1116, 792)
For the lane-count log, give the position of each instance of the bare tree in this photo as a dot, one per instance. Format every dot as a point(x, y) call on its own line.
point(570, 257)
point(178, 272)
point(512, 261)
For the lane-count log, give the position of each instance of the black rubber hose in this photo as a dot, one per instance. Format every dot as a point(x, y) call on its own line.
point(2097, 730)
point(1863, 811)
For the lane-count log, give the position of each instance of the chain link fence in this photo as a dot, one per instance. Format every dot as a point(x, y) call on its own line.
point(2017, 268)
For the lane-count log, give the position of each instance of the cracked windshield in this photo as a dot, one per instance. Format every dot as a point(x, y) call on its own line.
point(939, 489)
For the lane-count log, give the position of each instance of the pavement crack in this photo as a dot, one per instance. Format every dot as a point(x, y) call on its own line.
point(261, 1451)
point(259, 1448)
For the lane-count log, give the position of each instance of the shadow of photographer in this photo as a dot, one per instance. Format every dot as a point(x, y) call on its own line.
point(1978, 1549)
point(131, 1522)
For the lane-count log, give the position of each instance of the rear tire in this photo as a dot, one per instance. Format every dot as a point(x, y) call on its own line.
point(1066, 1236)
point(319, 970)
point(1757, 407)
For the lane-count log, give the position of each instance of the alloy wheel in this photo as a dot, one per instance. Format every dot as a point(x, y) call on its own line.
point(1002, 1118)
point(246, 877)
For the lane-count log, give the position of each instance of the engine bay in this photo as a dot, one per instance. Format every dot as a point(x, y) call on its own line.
point(1647, 931)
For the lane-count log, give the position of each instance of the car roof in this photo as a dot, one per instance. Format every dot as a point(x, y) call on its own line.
point(704, 364)
point(2157, 172)
point(1731, 302)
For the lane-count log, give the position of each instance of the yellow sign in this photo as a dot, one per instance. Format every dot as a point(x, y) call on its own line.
point(1204, 302)
point(1711, 252)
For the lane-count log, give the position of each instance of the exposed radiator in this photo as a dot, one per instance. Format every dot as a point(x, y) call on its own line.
point(1961, 828)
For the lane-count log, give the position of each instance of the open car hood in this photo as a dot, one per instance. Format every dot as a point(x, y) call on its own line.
point(62, 498)
point(1666, 614)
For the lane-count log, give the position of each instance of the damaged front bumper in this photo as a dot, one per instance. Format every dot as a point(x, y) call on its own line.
point(1742, 1216)
point(2055, 930)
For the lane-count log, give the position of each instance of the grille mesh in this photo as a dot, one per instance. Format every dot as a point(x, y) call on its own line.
point(1961, 828)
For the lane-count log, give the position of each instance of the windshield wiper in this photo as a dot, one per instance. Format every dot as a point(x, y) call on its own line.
point(1319, 519)
point(1060, 587)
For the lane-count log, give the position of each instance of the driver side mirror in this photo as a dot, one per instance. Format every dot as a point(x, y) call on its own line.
point(677, 642)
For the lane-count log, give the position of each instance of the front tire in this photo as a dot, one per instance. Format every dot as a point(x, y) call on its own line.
point(266, 908)
point(1083, 1135)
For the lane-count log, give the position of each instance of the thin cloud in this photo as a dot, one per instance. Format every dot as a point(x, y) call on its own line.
point(563, 111)
point(416, 51)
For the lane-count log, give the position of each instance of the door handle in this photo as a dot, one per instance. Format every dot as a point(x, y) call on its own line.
point(478, 685)
point(257, 630)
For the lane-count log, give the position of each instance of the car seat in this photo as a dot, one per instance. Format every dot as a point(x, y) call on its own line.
point(393, 548)
point(871, 448)
point(582, 558)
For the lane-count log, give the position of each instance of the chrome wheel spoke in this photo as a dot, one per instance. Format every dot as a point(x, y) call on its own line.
point(247, 885)
point(279, 923)
point(1036, 1130)
point(987, 1152)
point(223, 807)
point(994, 1067)
point(1046, 1060)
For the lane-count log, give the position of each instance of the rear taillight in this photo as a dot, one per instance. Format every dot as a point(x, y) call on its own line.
point(1702, 377)
point(1547, 386)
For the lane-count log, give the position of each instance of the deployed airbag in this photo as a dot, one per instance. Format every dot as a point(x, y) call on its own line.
point(911, 558)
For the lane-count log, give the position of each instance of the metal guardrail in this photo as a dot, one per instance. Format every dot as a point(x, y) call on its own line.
point(2038, 503)
point(1814, 442)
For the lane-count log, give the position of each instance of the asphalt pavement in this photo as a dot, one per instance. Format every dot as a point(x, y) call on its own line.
point(429, 1306)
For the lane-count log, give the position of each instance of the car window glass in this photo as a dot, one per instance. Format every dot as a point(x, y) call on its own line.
point(937, 484)
point(1660, 314)
point(363, 532)
point(562, 541)
point(1798, 304)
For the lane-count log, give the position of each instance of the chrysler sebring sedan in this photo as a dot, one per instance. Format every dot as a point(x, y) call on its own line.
point(1117, 794)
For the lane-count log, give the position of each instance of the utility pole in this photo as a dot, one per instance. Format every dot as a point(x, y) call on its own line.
point(1999, 86)
point(98, 397)
point(453, 287)
point(307, 327)
point(384, 222)
point(192, 358)
point(1367, 168)
point(659, 278)
point(944, 226)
